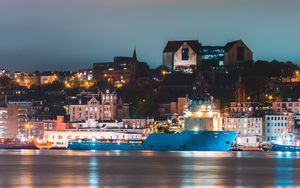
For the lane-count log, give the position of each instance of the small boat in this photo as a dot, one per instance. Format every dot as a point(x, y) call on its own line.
point(288, 148)
point(15, 143)
point(42, 145)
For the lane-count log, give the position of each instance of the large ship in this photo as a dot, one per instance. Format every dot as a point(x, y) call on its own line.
point(201, 130)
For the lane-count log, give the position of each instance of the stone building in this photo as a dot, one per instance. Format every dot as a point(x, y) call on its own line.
point(102, 106)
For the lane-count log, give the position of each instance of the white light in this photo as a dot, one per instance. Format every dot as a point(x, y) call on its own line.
point(196, 129)
point(210, 113)
point(188, 113)
point(199, 114)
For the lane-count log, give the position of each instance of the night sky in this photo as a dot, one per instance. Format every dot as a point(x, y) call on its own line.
point(72, 34)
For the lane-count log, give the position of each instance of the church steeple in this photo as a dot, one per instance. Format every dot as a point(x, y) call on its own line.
point(134, 54)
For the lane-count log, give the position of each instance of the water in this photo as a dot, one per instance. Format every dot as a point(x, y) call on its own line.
point(62, 168)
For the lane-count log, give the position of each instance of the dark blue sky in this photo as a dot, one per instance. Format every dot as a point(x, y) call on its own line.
point(72, 34)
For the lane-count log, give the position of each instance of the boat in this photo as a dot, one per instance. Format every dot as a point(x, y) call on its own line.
point(15, 143)
point(201, 131)
point(184, 141)
point(287, 148)
point(42, 145)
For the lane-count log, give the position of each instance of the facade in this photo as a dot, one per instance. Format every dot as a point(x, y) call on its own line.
point(36, 129)
point(123, 71)
point(236, 53)
point(236, 109)
point(137, 123)
point(250, 130)
point(289, 106)
point(278, 127)
point(213, 55)
point(186, 56)
point(14, 117)
point(182, 56)
point(102, 106)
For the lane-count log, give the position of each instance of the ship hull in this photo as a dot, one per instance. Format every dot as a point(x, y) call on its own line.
point(278, 147)
point(184, 141)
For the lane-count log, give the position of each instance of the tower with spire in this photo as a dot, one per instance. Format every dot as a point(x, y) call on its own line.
point(134, 55)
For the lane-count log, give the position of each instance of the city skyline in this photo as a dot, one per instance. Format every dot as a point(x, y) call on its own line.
point(64, 35)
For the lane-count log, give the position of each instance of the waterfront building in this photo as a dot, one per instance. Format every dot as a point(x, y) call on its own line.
point(60, 139)
point(250, 130)
point(182, 56)
point(123, 71)
point(13, 118)
point(36, 129)
point(278, 126)
point(138, 123)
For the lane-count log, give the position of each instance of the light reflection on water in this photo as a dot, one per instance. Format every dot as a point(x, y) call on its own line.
point(63, 168)
point(93, 173)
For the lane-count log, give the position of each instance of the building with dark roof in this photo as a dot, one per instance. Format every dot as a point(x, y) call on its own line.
point(232, 54)
point(182, 56)
point(99, 106)
point(236, 53)
point(187, 56)
point(122, 71)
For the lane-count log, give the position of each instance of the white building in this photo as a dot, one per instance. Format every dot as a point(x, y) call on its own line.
point(137, 123)
point(60, 139)
point(278, 127)
point(250, 130)
point(92, 123)
point(183, 56)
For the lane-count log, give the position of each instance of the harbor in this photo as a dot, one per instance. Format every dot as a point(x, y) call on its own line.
point(65, 168)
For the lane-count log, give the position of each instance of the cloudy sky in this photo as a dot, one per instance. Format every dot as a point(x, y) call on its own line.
point(72, 34)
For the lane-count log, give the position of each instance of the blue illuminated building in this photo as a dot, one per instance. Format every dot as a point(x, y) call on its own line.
point(213, 55)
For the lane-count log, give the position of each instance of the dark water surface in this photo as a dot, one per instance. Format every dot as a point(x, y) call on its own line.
point(62, 168)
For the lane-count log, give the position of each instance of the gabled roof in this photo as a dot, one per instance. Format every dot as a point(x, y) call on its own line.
point(229, 45)
point(173, 46)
